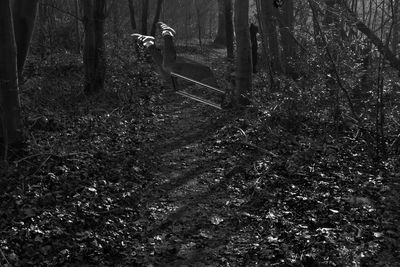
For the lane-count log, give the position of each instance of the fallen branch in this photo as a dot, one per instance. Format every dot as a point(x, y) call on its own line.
point(5, 258)
point(52, 155)
point(260, 149)
point(246, 142)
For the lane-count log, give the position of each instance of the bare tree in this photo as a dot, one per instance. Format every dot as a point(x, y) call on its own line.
point(396, 25)
point(229, 27)
point(24, 15)
point(156, 17)
point(10, 108)
point(268, 22)
point(77, 31)
point(221, 35)
point(132, 14)
point(145, 14)
point(243, 55)
point(199, 21)
point(287, 38)
point(385, 51)
point(93, 54)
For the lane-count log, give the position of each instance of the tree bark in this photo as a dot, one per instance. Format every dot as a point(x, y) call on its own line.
point(254, 46)
point(199, 17)
point(77, 31)
point(316, 28)
point(268, 20)
point(288, 42)
point(263, 32)
point(221, 35)
point(132, 14)
point(396, 26)
point(11, 124)
point(42, 32)
point(116, 20)
point(156, 17)
point(24, 15)
point(243, 54)
point(94, 56)
point(145, 14)
point(229, 28)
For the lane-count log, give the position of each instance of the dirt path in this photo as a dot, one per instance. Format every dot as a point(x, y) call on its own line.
point(186, 205)
point(203, 208)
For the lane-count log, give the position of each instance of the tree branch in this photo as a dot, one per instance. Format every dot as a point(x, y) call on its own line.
point(63, 11)
point(362, 27)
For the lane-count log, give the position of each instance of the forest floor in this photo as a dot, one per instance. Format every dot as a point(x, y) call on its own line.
point(148, 178)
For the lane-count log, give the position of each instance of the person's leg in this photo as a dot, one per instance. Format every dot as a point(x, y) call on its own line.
point(169, 55)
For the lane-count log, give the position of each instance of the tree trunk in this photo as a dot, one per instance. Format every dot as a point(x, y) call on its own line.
point(243, 55)
point(254, 46)
point(145, 14)
point(77, 32)
point(268, 19)
point(100, 10)
point(43, 20)
point(93, 56)
point(221, 35)
point(316, 28)
point(11, 131)
point(116, 21)
point(132, 14)
point(288, 43)
point(229, 28)
point(199, 29)
point(396, 26)
point(156, 17)
point(263, 31)
point(24, 15)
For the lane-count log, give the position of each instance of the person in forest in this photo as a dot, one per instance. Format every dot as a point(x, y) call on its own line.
point(168, 62)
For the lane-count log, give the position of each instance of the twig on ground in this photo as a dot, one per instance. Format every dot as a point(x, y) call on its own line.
point(247, 143)
point(260, 149)
point(52, 155)
point(4, 256)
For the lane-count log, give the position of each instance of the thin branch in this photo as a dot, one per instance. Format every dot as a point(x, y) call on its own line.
point(332, 61)
point(63, 11)
point(4, 256)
